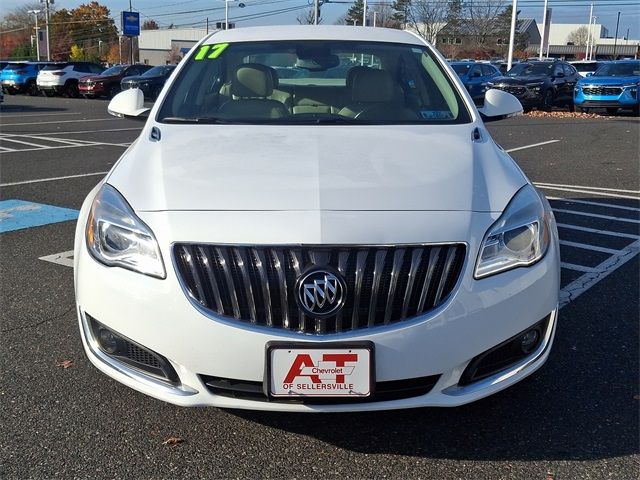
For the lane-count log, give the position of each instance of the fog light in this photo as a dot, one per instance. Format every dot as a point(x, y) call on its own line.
point(529, 340)
point(108, 341)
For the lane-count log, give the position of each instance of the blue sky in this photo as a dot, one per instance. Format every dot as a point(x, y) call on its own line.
point(164, 11)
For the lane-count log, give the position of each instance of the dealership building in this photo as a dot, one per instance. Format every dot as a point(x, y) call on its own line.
point(160, 47)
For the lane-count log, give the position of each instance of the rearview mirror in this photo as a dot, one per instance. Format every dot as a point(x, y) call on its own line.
point(129, 104)
point(499, 104)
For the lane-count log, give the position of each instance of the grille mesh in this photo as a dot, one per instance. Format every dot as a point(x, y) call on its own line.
point(257, 284)
point(614, 91)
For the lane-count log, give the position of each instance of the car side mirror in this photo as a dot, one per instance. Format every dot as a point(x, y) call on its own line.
point(499, 104)
point(129, 104)
point(589, 74)
point(559, 75)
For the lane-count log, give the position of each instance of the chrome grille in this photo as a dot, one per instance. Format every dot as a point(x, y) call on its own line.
point(512, 89)
point(256, 284)
point(596, 90)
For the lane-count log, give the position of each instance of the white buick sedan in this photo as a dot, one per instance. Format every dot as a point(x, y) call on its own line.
point(316, 219)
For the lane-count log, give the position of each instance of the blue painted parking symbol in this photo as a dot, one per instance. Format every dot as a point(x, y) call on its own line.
point(18, 214)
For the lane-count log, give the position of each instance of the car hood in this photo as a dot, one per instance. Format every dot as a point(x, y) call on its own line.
point(327, 167)
point(609, 80)
point(523, 80)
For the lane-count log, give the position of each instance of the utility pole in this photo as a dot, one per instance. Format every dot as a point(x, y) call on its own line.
point(375, 18)
point(512, 34)
point(120, 49)
point(207, 25)
point(544, 28)
point(594, 45)
point(131, 37)
point(364, 14)
point(316, 6)
point(615, 43)
point(586, 54)
point(35, 14)
point(46, 14)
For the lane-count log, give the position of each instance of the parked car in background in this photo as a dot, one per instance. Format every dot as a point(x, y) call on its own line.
point(107, 83)
point(540, 84)
point(62, 78)
point(20, 77)
point(587, 67)
point(474, 77)
point(150, 82)
point(613, 86)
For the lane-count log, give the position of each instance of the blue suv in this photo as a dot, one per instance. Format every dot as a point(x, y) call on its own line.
point(474, 76)
point(19, 77)
point(613, 86)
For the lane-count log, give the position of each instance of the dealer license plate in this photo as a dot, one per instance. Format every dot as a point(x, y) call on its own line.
point(320, 370)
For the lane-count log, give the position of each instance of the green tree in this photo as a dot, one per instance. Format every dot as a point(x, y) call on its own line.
point(354, 14)
point(23, 52)
point(401, 9)
point(77, 53)
point(150, 25)
point(454, 16)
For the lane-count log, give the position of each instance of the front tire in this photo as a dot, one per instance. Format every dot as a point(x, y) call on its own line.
point(547, 100)
point(113, 91)
point(71, 90)
point(31, 88)
point(612, 110)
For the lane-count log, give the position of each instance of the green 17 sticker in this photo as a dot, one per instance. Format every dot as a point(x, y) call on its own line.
point(211, 51)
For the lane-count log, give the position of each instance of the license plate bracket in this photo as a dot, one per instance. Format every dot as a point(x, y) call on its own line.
point(320, 369)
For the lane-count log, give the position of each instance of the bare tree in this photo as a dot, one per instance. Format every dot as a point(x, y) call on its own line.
point(483, 17)
point(307, 17)
point(174, 55)
point(385, 15)
point(426, 18)
point(579, 36)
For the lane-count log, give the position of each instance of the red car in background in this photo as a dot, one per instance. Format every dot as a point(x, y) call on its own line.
point(107, 84)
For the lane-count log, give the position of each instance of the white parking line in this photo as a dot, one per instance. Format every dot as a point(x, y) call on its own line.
point(596, 215)
point(598, 231)
point(590, 192)
point(586, 246)
point(580, 285)
point(52, 179)
point(531, 146)
point(597, 204)
point(601, 189)
point(63, 258)
point(577, 268)
point(22, 142)
point(37, 114)
point(84, 120)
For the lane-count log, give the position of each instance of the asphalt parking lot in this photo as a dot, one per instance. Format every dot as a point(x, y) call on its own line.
point(575, 418)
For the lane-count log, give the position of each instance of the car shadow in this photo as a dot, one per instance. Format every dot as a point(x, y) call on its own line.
point(13, 108)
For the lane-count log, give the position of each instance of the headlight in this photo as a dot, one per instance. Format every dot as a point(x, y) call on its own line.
point(116, 237)
point(520, 237)
point(631, 85)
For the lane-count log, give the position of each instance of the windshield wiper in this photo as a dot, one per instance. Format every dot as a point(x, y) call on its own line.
point(195, 120)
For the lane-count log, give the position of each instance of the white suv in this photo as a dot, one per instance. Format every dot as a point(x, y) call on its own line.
point(62, 78)
point(342, 238)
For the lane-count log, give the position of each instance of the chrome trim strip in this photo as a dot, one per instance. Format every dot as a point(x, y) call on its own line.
point(361, 261)
point(226, 268)
point(434, 257)
point(213, 282)
point(278, 264)
point(416, 258)
point(296, 261)
point(343, 261)
point(241, 261)
point(192, 260)
point(448, 263)
point(131, 373)
point(375, 285)
point(398, 259)
point(499, 377)
point(261, 265)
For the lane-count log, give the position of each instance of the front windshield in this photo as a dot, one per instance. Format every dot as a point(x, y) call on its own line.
point(157, 71)
point(526, 69)
point(618, 70)
point(460, 68)
point(312, 82)
point(113, 71)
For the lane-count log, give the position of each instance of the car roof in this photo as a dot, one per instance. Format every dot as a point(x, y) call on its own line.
point(314, 32)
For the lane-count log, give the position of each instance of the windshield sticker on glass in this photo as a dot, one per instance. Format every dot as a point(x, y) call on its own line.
point(213, 51)
point(436, 114)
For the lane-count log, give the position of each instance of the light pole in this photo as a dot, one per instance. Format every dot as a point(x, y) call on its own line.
point(35, 14)
point(226, 12)
point(615, 43)
point(544, 27)
point(586, 55)
point(512, 34)
point(364, 14)
point(375, 17)
point(46, 14)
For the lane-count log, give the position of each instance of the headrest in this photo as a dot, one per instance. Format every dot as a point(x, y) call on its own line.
point(372, 85)
point(352, 73)
point(252, 80)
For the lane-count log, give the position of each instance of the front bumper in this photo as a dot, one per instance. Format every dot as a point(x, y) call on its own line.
point(528, 96)
point(158, 315)
point(628, 98)
point(95, 89)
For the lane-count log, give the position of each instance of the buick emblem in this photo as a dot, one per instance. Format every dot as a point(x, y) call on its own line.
point(320, 293)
